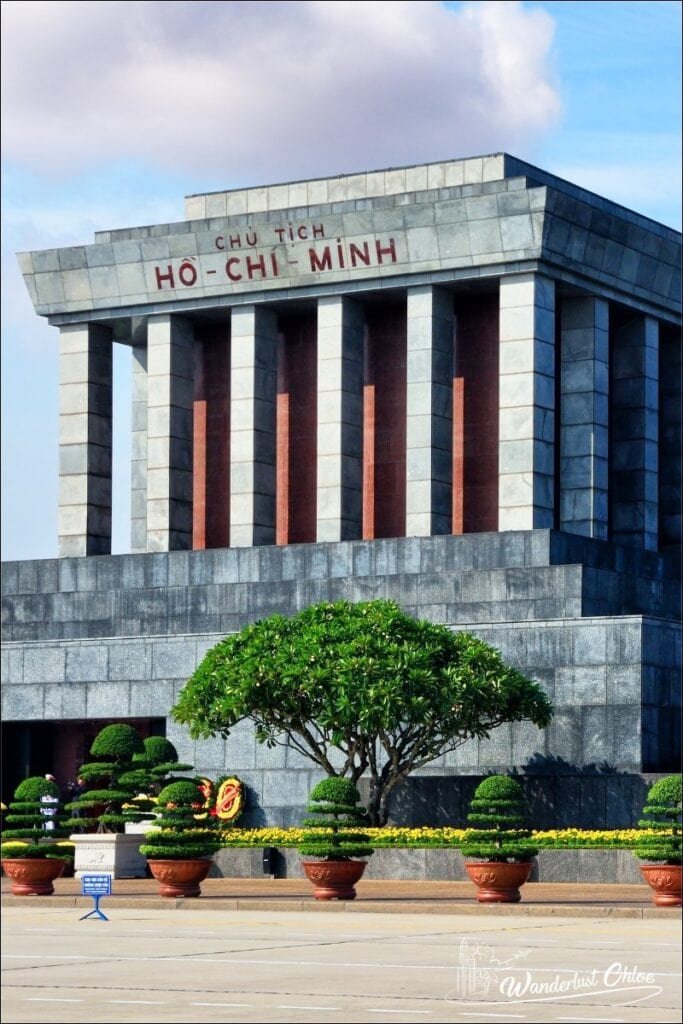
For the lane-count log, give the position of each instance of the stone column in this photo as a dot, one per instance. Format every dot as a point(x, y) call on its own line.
point(169, 432)
point(253, 376)
point(429, 412)
point(138, 489)
point(584, 416)
point(634, 441)
point(670, 441)
point(85, 437)
point(341, 332)
point(527, 401)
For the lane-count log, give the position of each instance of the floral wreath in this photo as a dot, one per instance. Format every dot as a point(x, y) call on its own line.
point(223, 799)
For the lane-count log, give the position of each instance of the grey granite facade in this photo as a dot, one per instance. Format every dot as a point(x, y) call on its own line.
point(117, 636)
point(519, 214)
point(487, 346)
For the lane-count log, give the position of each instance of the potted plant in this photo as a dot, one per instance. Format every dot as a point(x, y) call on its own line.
point(498, 840)
point(107, 805)
point(155, 766)
point(179, 850)
point(334, 840)
point(31, 857)
point(151, 770)
point(660, 843)
point(101, 806)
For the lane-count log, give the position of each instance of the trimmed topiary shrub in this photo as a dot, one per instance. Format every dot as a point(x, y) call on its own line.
point(155, 767)
point(112, 783)
point(662, 813)
point(118, 742)
point(28, 821)
point(158, 750)
point(498, 816)
point(334, 802)
point(178, 835)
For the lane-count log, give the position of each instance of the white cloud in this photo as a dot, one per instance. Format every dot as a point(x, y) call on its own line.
point(216, 94)
point(272, 89)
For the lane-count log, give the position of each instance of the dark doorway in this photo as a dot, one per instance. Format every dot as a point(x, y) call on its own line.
point(35, 748)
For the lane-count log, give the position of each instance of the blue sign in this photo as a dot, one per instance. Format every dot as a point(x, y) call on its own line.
point(96, 885)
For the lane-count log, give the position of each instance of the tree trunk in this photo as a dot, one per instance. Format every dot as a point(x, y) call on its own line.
point(378, 803)
point(383, 812)
point(374, 804)
point(381, 787)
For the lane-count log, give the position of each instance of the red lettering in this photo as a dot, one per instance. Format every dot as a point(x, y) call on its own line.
point(255, 265)
point(164, 277)
point(389, 250)
point(359, 255)
point(318, 231)
point(187, 272)
point(318, 263)
point(220, 242)
point(228, 269)
point(273, 263)
point(340, 253)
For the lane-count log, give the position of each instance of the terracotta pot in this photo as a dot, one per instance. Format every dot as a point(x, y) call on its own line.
point(665, 881)
point(68, 871)
point(180, 877)
point(32, 876)
point(334, 879)
point(499, 881)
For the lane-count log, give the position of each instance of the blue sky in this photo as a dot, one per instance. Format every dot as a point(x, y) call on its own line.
point(114, 111)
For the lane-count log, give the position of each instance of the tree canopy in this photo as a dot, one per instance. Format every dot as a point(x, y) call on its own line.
point(358, 688)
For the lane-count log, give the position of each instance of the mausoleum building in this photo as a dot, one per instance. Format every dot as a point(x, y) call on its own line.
point(454, 385)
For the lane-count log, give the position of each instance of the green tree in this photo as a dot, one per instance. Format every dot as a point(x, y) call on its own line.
point(358, 688)
point(661, 839)
point(102, 805)
point(497, 827)
point(155, 767)
point(29, 822)
point(178, 835)
point(336, 819)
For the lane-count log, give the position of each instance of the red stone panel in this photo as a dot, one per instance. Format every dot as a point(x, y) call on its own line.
point(296, 438)
point(475, 416)
point(368, 461)
point(199, 452)
point(384, 423)
point(458, 454)
point(211, 443)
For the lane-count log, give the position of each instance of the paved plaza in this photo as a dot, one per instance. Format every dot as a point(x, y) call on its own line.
point(293, 966)
point(153, 962)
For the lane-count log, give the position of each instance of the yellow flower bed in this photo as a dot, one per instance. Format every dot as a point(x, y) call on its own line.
point(568, 838)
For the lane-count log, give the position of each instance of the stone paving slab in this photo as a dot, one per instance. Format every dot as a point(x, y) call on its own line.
point(538, 898)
